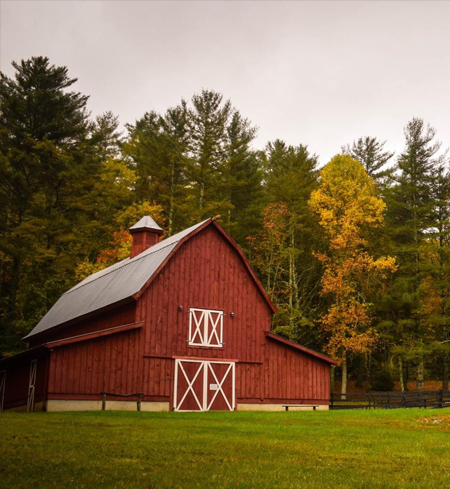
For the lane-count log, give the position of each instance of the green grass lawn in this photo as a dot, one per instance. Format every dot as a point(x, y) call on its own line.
point(343, 449)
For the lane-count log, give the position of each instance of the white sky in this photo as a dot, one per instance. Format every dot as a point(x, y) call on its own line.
point(317, 73)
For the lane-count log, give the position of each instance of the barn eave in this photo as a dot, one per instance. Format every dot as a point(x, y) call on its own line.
point(297, 346)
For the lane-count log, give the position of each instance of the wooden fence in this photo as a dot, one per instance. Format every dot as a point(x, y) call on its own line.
point(390, 400)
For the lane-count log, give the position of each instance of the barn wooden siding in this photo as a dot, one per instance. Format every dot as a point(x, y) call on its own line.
point(83, 370)
point(291, 375)
point(205, 273)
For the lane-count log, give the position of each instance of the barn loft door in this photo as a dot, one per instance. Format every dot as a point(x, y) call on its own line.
point(2, 389)
point(205, 327)
point(32, 386)
point(204, 385)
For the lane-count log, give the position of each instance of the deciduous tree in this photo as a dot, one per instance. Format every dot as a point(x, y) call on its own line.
point(347, 205)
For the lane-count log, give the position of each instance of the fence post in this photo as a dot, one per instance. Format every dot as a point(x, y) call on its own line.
point(332, 400)
point(139, 402)
point(440, 398)
point(103, 401)
point(370, 400)
point(403, 399)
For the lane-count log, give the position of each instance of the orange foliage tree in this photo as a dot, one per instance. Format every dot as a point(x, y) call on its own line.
point(120, 245)
point(348, 206)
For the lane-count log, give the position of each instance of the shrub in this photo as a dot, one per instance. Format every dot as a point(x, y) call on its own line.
point(382, 380)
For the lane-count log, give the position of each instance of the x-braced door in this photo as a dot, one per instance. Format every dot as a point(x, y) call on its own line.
point(32, 386)
point(2, 389)
point(204, 385)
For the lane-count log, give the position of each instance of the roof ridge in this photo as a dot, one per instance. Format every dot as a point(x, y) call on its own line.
point(133, 260)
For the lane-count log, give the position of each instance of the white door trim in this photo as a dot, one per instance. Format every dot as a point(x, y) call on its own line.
point(206, 366)
point(32, 386)
point(204, 330)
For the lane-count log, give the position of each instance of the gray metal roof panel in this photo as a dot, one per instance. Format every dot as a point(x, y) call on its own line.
point(113, 284)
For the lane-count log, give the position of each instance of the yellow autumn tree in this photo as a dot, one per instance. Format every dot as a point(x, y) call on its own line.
point(348, 206)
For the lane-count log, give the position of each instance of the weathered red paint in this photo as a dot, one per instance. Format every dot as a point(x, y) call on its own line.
point(206, 272)
point(143, 239)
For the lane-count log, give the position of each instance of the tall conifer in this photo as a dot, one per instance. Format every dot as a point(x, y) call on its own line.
point(411, 218)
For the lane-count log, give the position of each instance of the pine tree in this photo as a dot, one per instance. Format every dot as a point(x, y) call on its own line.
point(105, 137)
point(241, 181)
point(290, 176)
point(208, 120)
point(436, 289)
point(158, 149)
point(49, 169)
point(371, 153)
point(411, 220)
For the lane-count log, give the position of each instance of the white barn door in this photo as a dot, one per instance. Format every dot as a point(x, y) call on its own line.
point(204, 385)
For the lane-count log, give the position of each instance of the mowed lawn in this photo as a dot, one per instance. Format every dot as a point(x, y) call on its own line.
point(344, 449)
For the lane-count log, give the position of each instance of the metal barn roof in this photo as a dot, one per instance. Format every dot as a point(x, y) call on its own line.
point(111, 285)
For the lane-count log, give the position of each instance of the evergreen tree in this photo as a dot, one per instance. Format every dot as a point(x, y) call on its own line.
point(242, 181)
point(436, 289)
point(48, 171)
point(197, 162)
point(158, 149)
point(290, 176)
point(208, 120)
point(105, 136)
point(411, 218)
point(371, 153)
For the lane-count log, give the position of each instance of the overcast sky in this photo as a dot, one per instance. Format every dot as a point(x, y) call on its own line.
point(317, 73)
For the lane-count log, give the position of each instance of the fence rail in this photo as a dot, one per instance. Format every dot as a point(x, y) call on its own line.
point(390, 400)
point(139, 396)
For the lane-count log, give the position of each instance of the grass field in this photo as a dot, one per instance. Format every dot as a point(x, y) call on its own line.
point(345, 449)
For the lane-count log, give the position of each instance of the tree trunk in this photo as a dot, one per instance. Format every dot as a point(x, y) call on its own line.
point(171, 201)
point(400, 374)
point(361, 371)
point(445, 375)
point(202, 194)
point(344, 375)
point(406, 375)
point(14, 287)
point(420, 373)
point(291, 282)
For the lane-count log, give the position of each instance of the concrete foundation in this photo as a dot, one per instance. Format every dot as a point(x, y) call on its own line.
point(73, 405)
point(278, 407)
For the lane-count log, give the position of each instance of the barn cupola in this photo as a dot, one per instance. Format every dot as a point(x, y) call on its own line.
point(145, 233)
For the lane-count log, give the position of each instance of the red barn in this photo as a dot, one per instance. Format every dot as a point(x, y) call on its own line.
point(183, 324)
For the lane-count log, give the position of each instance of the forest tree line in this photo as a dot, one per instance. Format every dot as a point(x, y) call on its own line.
point(355, 254)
